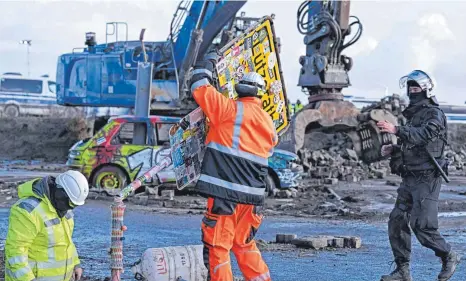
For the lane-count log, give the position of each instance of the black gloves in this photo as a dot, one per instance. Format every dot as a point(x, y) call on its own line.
point(203, 69)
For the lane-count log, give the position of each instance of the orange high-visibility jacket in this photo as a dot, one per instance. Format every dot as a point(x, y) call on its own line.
point(240, 140)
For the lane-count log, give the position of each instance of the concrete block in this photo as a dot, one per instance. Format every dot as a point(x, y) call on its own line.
point(336, 242)
point(352, 241)
point(352, 178)
point(285, 194)
point(285, 238)
point(352, 154)
point(168, 204)
point(168, 194)
point(332, 181)
point(311, 242)
point(380, 173)
point(152, 191)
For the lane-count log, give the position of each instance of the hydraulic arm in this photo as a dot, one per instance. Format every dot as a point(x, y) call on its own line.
point(326, 24)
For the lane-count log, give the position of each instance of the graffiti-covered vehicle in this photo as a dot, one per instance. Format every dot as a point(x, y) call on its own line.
point(284, 171)
point(115, 155)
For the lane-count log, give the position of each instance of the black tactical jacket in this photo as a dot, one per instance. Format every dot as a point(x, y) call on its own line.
point(426, 128)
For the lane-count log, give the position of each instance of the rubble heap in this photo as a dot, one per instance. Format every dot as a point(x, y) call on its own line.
point(330, 158)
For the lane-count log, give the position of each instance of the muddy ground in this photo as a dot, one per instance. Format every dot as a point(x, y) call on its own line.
point(47, 139)
point(367, 200)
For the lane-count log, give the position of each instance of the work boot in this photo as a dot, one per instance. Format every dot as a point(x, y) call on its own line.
point(449, 264)
point(401, 273)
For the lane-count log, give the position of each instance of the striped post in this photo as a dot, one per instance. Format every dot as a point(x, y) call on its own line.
point(118, 211)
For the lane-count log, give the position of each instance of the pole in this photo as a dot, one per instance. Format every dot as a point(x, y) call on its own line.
point(29, 73)
point(118, 212)
point(143, 91)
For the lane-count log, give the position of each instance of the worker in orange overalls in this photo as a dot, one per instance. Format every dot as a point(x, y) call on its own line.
point(240, 140)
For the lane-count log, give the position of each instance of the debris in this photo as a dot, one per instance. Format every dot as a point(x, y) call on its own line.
point(331, 181)
point(284, 194)
point(285, 238)
point(150, 190)
point(392, 183)
point(333, 194)
point(352, 241)
point(350, 199)
point(311, 242)
point(336, 242)
point(323, 241)
point(168, 194)
point(352, 154)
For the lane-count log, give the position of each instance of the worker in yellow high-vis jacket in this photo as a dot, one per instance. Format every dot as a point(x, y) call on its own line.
point(39, 243)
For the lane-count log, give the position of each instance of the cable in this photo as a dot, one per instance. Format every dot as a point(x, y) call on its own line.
point(302, 13)
point(356, 37)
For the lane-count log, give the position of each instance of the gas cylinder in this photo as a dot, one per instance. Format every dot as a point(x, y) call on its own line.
point(171, 264)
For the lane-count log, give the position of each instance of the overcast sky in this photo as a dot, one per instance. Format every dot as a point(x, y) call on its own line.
point(398, 36)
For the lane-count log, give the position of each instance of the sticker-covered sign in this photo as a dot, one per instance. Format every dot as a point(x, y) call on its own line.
point(256, 51)
point(187, 148)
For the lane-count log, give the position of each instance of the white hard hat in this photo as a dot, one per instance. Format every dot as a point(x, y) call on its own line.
point(251, 84)
point(75, 185)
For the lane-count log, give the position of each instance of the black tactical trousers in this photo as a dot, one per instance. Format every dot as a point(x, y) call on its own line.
point(416, 209)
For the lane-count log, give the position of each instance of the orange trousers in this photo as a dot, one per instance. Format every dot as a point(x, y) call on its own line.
point(230, 226)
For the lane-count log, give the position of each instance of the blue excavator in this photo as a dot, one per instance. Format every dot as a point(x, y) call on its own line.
point(104, 75)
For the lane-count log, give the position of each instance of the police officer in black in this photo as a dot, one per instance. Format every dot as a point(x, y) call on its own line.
point(416, 208)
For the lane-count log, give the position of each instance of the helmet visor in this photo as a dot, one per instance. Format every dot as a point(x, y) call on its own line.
point(420, 77)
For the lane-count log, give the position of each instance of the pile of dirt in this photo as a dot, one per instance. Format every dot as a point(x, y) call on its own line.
point(456, 150)
point(34, 138)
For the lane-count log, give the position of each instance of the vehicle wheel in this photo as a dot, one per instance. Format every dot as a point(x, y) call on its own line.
point(110, 178)
point(270, 185)
point(11, 111)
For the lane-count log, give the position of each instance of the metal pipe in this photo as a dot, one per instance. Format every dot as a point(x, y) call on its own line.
point(202, 15)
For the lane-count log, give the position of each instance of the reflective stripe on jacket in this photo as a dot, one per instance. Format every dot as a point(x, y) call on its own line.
point(240, 140)
point(39, 244)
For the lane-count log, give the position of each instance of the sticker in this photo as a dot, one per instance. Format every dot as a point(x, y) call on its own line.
point(266, 45)
point(250, 65)
point(100, 140)
point(276, 87)
point(228, 58)
point(257, 49)
point(280, 106)
point(271, 60)
point(235, 63)
point(240, 72)
point(271, 75)
point(231, 93)
point(247, 54)
point(262, 34)
point(241, 56)
point(255, 36)
point(221, 66)
point(236, 50)
point(276, 98)
point(248, 43)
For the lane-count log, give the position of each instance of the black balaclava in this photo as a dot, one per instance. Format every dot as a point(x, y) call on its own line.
point(415, 98)
point(59, 199)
